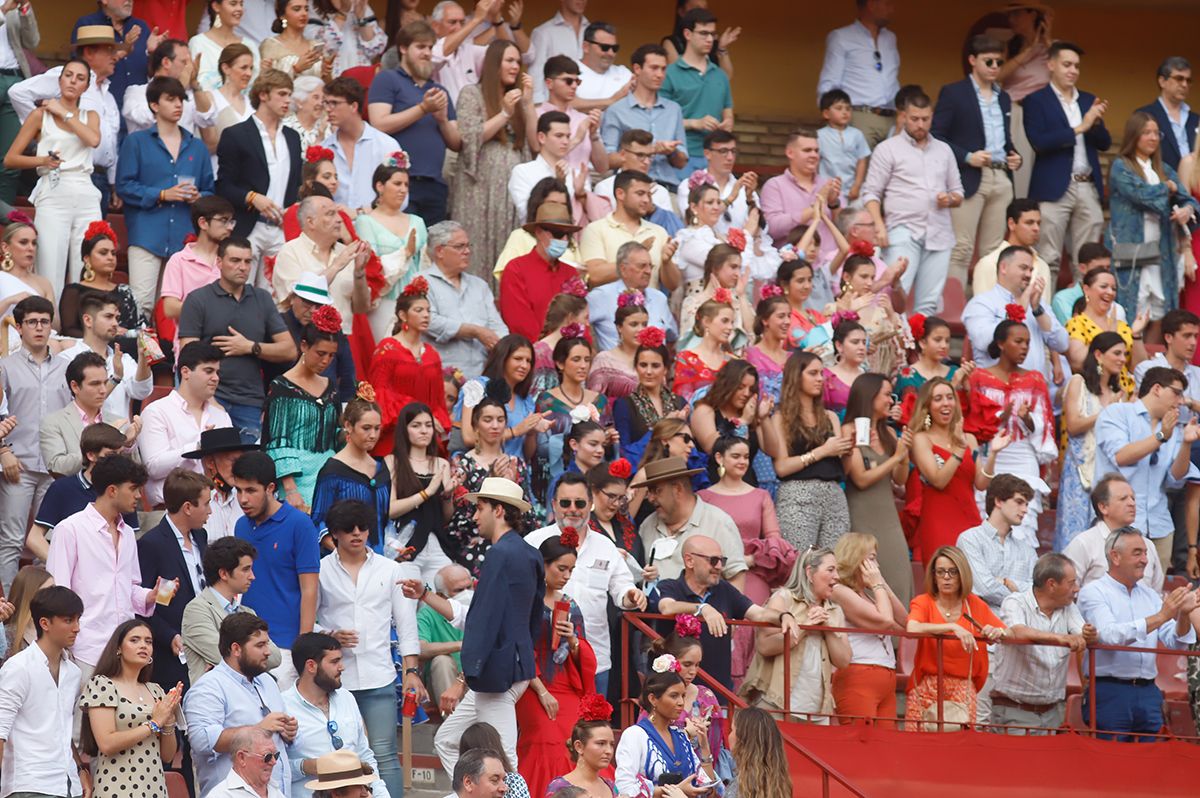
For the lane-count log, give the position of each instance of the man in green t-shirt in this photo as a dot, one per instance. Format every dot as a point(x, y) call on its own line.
point(441, 639)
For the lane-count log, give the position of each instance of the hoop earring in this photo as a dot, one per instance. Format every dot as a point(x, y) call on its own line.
point(89, 274)
point(6, 263)
point(928, 421)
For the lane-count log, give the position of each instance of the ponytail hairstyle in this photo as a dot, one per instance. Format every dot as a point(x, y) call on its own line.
point(717, 257)
point(630, 303)
point(579, 431)
point(707, 312)
point(95, 233)
point(230, 53)
point(695, 196)
point(414, 292)
point(1000, 335)
point(924, 328)
point(653, 339)
point(1091, 363)
point(766, 307)
point(561, 308)
point(363, 403)
point(562, 349)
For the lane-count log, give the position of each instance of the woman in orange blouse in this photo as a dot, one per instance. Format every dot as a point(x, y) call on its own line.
point(949, 607)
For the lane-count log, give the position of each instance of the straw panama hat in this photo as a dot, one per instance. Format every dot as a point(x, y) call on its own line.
point(502, 490)
point(95, 34)
point(340, 768)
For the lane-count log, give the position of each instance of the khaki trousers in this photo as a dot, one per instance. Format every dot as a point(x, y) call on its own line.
point(1078, 213)
point(876, 128)
point(1164, 546)
point(981, 219)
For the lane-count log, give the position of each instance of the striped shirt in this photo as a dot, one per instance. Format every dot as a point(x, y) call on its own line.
point(1035, 674)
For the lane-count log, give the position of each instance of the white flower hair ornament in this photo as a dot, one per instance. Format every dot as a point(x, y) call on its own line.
point(664, 664)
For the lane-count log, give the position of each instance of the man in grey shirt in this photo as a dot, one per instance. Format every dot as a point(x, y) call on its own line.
point(464, 323)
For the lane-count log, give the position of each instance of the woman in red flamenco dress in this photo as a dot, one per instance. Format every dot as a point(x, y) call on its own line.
point(549, 709)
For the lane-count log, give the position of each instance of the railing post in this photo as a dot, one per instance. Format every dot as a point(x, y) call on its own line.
point(825, 784)
point(787, 675)
point(1092, 690)
point(626, 713)
point(939, 683)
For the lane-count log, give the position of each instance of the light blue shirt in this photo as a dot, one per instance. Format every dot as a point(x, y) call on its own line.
point(1191, 371)
point(1119, 615)
point(664, 120)
point(1178, 129)
point(1120, 424)
point(986, 310)
point(355, 186)
point(450, 308)
point(223, 699)
point(993, 560)
point(850, 64)
point(602, 311)
point(841, 150)
point(314, 737)
point(190, 557)
point(993, 121)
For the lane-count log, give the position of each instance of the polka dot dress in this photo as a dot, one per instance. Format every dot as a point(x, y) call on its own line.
point(137, 770)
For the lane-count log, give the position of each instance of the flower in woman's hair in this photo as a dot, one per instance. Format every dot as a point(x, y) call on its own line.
point(99, 230)
point(316, 153)
point(665, 663)
point(418, 287)
point(723, 295)
point(1014, 312)
point(575, 287)
point(455, 375)
point(595, 707)
point(863, 249)
point(700, 177)
point(584, 412)
point(916, 323)
point(398, 160)
point(472, 393)
point(771, 290)
point(632, 297)
point(736, 238)
point(573, 330)
point(19, 217)
point(569, 537)
point(687, 626)
point(620, 468)
point(841, 316)
point(651, 337)
point(365, 391)
point(327, 319)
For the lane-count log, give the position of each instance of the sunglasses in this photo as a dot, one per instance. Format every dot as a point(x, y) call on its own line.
point(687, 438)
point(580, 504)
point(878, 61)
point(714, 561)
point(557, 235)
point(570, 81)
point(268, 759)
point(332, 728)
point(605, 48)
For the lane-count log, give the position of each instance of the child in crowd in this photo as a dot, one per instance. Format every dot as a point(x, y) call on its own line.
point(844, 148)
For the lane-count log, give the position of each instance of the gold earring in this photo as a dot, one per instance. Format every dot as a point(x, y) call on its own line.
point(88, 273)
point(721, 472)
point(6, 263)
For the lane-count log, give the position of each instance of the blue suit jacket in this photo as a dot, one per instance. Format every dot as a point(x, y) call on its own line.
point(1053, 140)
point(958, 121)
point(159, 555)
point(1171, 155)
point(505, 617)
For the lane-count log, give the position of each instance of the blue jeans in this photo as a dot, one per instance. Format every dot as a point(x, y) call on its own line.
point(378, 708)
point(1126, 708)
point(925, 278)
point(602, 682)
point(247, 420)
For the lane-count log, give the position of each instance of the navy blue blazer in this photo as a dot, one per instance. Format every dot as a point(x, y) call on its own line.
point(1171, 155)
point(1053, 140)
point(159, 555)
point(505, 617)
point(958, 121)
point(242, 168)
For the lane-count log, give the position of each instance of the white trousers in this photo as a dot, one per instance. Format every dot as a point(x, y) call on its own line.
point(498, 709)
point(145, 269)
point(267, 240)
point(63, 214)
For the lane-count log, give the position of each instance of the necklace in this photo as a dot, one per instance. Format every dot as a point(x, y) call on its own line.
point(562, 388)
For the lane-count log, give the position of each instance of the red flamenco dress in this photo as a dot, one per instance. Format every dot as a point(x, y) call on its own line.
point(943, 514)
point(691, 375)
point(399, 378)
point(541, 745)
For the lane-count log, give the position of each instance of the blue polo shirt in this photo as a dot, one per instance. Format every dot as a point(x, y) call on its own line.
point(67, 496)
point(698, 94)
point(144, 168)
point(421, 140)
point(131, 70)
point(287, 547)
point(664, 120)
point(717, 654)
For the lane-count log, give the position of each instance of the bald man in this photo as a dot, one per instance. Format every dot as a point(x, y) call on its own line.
point(700, 590)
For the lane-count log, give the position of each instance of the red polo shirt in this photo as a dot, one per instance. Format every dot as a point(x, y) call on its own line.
point(526, 288)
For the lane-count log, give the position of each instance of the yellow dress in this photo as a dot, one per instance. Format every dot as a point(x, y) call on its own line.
point(1081, 328)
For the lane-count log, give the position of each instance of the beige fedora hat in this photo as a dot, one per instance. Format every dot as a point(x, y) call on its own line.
point(340, 768)
point(502, 490)
point(95, 34)
point(666, 469)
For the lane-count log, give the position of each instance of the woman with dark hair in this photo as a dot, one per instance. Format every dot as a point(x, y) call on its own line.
point(613, 372)
point(567, 403)
point(354, 473)
point(723, 272)
point(850, 347)
point(1095, 387)
point(932, 338)
point(236, 66)
point(301, 421)
point(795, 279)
point(697, 367)
point(511, 360)
point(484, 735)
point(549, 709)
point(763, 770)
point(99, 253)
point(772, 323)
point(396, 236)
point(349, 33)
point(288, 50)
point(521, 241)
point(1099, 315)
point(405, 369)
point(567, 311)
point(423, 487)
point(128, 721)
point(886, 330)
point(652, 399)
point(591, 748)
point(224, 16)
point(731, 408)
point(872, 469)
point(497, 120)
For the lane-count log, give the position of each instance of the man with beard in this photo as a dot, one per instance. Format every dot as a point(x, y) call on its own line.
point(417, 111)
point(326, 714)
point(237, 692)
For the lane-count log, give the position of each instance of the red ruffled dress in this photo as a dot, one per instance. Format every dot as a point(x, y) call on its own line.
point(398, 379)
point(942, 514)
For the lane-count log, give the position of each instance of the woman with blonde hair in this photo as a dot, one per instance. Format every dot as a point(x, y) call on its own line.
point(18, 258)
point(807, 596)
point(20, 631)
point(723, 269)
point(948, 607)
point(866, 688)
point(696, 368)
point(757, 747)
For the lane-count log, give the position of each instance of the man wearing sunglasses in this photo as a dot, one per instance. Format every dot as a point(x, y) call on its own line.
point(562, 83)
point(603, 82)
point(562, 34)
point(532, 280)
point(254, 757)
point(600, 570)
point(973, 116)
point(1177, 122)
point(862, 60)
point(702, 591)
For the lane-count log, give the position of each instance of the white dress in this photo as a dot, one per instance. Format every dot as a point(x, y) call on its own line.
point(210, 74)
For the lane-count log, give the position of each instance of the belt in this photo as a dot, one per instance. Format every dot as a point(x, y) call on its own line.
point(870, 109)
point(1131, 682)
point(999, 167)
point(12, 71)
point(422, 179)
point(1082, 178)
point(1037, 709)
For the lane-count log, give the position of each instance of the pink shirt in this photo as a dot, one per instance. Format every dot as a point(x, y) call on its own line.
point(906, 177)
point(1034, 74)
point(184, 273)
point(784, 201)
point(107, 579)
point(459, 69)
point(85, 418)
point(168, 431)
point(581, 153)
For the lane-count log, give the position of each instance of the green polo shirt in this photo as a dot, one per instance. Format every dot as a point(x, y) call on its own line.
point(699, 94)
point(433, 628)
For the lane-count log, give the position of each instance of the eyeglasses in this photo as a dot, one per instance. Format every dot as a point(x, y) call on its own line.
point(570, 80)
point(332, 728)
point(878, 61)
point(686, 437)
point(993, 62)
point(334, 103)
point(1177, 391)
point(580, 504)
point(942, 573)
point(1185, 79)
point(604, 48)
point(613, 497)
point(714, 561)
point(221, 219)
point(460, 247)
point(37, 322)
point(641, 156)
point(725, 150)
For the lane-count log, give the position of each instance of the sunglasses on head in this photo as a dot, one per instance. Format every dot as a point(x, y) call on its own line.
point(580, 504)
point(605, 48)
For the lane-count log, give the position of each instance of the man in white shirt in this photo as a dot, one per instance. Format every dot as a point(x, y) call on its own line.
point(861, 58)
point(1116, 508)
point(254, 756)
point(1023, 219)
point(217, 451)
point(562, 34)
point(457, 57)
point(554, 136)
point(38, 689)
point(358, 148)
point(602, 82)
point(128, 378)
point(171, 59)
point(317, 250)
point(600, 570)
point(479, 773)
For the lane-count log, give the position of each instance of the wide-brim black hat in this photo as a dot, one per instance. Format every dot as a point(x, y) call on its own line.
point(221, 439)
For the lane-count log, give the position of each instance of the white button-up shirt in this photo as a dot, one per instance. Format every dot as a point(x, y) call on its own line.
point(1035, 674)
point(994, 559)
point(600, 572)
point(279, 161)
point(234, 786)
point(1070, 106)
point(850, 64)
point(191, 558)
point(553, 37)
point(138, 115)
point(117, 403)
point(525, 176)
point(169, 430)
point(369, 606)
point(986, 310)
point(1119, 615)
point(355, 186)
point(1086, 550)
point(314, 738)
point(35, 722)
point(224, 515)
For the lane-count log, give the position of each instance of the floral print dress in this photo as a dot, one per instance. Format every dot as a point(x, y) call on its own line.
point(471, 549)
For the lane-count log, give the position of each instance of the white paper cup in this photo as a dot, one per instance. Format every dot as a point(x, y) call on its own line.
point(862, 431)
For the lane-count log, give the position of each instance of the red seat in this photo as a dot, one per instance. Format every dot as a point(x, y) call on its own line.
point(954, 300)
point(1172, 677)
point(918, 577)
point(1075, 713)
point(176, 786)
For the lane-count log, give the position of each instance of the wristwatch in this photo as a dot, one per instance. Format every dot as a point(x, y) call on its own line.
point(1158, 436)
point(256, 350)
point(68, 116)
point(407, 671)
point(1038, 311)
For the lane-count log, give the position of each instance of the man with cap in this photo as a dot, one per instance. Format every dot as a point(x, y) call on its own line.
point(309, 292)
point(678, 515)
point(341, 774)
point(505, 616)
point(531, 281)
point(219, 448)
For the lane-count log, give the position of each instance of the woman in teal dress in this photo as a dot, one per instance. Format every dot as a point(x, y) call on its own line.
point(398, 238)
point(932, 336)
point(301, 424)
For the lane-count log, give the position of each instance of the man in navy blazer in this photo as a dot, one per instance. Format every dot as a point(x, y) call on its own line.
point(1176, 121)
point(504, 619)
point(1065, 127)
point(972, 116)
point(261, 185)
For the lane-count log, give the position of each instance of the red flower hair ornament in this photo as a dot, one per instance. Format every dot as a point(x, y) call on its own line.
point(687, 626)
point(569, 537)
point(573, 330)
point(595, 707)
point(575, 287)
point(398, 160)
point(736, 238)
point(327, 319)
point(771, 290)
point(631, 297)
point(17, 217)
point(365, 391)
point(99, 230)
point(916, 323)
point(620, 468)
point(1014, 312)
point(651, 337)
point(723, 295)
point(863, 249)
point(418, 287)
point(316, 153)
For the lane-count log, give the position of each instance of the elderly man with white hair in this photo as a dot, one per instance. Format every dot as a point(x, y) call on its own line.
point(464, 323)
point(634, 270)
point(318, 250)
point(254, 755)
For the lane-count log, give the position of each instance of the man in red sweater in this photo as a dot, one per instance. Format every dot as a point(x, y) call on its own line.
point(531, 281)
